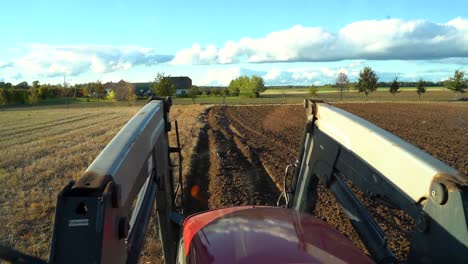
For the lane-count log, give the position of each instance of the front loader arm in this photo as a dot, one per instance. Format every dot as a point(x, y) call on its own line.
point(92, 219)
point(338, 147)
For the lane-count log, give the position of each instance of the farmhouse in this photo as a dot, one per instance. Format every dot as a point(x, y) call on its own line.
point(182, 84)
point(122, 89)
point(108, 87)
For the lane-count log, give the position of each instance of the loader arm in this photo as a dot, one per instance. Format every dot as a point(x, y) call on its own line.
point(338, 147)
point(92, 217)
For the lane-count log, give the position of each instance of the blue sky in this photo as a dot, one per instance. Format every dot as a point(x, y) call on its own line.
point(286, 42)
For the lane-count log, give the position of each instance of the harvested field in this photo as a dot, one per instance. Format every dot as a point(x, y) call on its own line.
point(42, 149)
point(250, 145)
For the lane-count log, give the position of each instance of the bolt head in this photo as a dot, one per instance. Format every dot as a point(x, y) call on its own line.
point(439, 193)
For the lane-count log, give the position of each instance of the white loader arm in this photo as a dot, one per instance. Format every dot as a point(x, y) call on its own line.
point(339, 146)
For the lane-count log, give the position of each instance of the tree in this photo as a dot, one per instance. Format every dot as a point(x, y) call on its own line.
point(33, 96)
point(3, 98)
point(22, 85)
point(130, 96)
point(162, 85)
point(458, 83)
point(43, 91)
point(368, 81)
point(224, 93)
point(420, 88)
point(234, 87)
point(124, 91)
point(244, 86)
point(313, 90)
point(35, 84)
point(257, 83)
point(99, 89)
point(111, 96)
point(215, 91)
point(342, 83)
point(394, 87)
point(90, 89)
point(251, 87)
point(86, 91)
point(193, 93)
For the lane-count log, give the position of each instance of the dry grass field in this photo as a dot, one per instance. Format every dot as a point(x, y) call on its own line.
point(43, 149)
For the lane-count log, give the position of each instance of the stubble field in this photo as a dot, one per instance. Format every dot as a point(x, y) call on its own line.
point(41, 150)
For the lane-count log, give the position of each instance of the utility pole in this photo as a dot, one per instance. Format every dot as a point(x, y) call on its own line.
point(65, 88)
point(74, 93)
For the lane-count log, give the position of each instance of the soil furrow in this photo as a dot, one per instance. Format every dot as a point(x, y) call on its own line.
point(240, 179)
point(196, 188)
point(268, 137)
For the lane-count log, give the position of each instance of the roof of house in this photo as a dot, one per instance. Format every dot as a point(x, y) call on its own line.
point(181, 82)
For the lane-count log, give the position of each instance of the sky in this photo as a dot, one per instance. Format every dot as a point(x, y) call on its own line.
point(294, 42)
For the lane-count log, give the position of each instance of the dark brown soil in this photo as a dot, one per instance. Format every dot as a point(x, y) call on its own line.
point(247, 148)
point(441, 129)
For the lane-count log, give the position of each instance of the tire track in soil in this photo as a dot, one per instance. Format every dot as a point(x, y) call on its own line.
point(274, 134)
point(239, 178)
point(225, 170)
point(196, 189)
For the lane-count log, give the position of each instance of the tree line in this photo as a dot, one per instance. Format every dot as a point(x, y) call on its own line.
point(23, 93)
point(246, 86)
point(368, 82)
point(242, 86)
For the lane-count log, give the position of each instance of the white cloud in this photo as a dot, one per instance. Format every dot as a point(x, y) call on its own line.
point(17, 76)
point(272, 74)
point(356, 64)
point(220, 77)
point(290, 76)
point(303, 74)
point(4, 65)
point(196, 55)
point(327, 72)
point(386, 39)
point(319, 74)
point(50, 60)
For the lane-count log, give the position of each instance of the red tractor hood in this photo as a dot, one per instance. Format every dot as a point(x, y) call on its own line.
point(252, 234)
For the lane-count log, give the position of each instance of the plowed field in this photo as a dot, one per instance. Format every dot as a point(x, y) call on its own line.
point(243, 151)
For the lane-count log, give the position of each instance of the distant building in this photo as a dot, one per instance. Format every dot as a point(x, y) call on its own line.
point(182, 84)
point(109, 86)
point(121, 89)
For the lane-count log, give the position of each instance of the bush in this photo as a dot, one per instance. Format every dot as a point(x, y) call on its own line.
point(3, 100)
point(247, 86)
point(111, 96)
point(15, 96)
